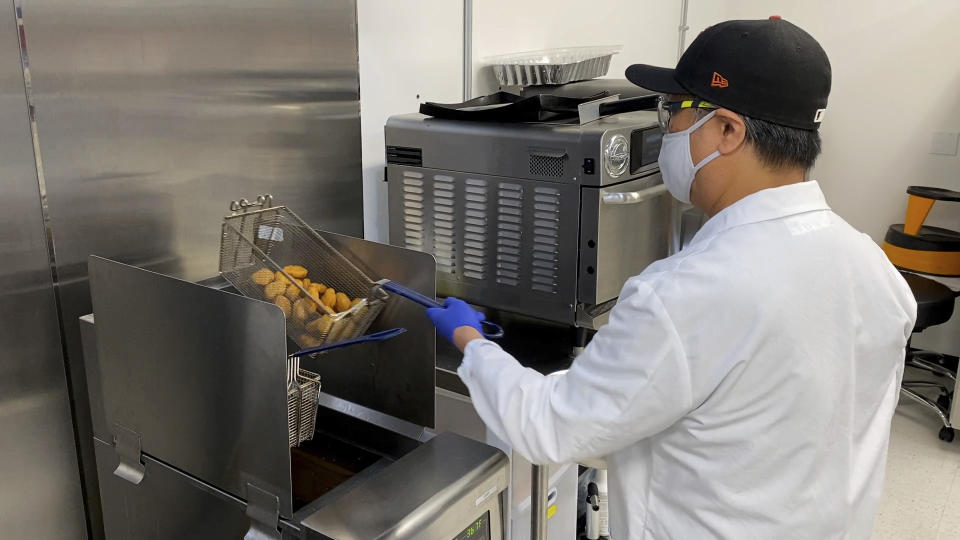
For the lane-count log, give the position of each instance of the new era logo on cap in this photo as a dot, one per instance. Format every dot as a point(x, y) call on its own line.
point(718, 81)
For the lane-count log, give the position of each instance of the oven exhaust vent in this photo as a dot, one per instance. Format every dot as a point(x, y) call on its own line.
point(547, 163)
point(403, 155)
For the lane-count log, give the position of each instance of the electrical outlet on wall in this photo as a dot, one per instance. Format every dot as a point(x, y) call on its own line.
point(945, 143)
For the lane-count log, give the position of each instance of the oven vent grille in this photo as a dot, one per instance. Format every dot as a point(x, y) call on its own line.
point(509, 233)
point(547, 164)
point(413, 205)
point(444, 223)
point(546, 231)
point(486, 230)
point(475, 229)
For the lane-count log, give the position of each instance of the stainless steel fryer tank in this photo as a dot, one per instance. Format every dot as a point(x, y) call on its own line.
point(188, 394)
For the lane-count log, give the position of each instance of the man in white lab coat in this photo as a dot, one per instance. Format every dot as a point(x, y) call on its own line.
point(743, 387)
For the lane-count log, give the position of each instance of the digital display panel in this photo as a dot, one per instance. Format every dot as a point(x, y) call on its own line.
point(478, 530)
point(644, 148)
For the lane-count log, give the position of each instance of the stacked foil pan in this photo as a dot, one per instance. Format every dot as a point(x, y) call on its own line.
point(552, 66)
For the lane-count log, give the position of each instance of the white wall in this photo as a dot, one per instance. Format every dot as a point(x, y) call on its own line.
point(646, 28)
point(410, 51)
point(896, 80)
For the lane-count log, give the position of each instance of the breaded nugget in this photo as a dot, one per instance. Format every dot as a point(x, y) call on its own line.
point(320, 327)
point(306, 341)
point(342, 302)
point(262, 276)
point(284, 303)
point(292, 292)
point(274, 289)
point(356, 301)
point(329, 298)
point(303, 309)
point(295, 271)
point(299, 313)
point(283, 278)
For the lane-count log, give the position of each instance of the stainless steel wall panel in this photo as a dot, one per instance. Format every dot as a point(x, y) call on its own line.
point(153, 115)
point(40, 495)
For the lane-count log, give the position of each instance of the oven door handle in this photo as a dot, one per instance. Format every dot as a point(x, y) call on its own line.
point(634, 197)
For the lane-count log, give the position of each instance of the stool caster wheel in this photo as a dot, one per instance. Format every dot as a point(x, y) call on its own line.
point(946, 434)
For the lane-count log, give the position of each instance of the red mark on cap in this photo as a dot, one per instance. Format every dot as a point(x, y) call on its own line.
point(718, 81)
point(775, 17)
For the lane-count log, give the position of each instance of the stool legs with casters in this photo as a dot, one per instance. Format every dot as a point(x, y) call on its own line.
point(935, 303)
point(947, 432)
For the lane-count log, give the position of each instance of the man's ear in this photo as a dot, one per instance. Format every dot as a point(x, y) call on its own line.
point(733, 132)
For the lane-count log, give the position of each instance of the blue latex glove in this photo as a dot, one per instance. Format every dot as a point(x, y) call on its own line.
point(454, 314)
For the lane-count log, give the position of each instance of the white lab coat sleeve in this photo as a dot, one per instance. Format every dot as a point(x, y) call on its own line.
point(632, 381)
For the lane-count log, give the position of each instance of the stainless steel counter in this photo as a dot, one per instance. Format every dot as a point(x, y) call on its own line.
point(432, 492)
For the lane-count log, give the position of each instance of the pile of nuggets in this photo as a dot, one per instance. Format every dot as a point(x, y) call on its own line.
point(289, 297)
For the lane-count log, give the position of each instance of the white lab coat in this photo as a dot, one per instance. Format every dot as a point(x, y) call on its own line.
point(743, 388)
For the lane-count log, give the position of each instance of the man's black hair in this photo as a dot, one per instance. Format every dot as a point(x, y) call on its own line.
point(783, 147)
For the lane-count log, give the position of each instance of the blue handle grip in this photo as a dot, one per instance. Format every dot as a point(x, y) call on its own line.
point(370, 338)
point(490, 330)
point(410, 294)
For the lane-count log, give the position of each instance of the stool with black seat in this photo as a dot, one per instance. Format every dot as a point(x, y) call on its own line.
point(935, 302)
point(914, 247)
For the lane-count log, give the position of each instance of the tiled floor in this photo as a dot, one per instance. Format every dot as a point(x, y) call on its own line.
point(921, 499)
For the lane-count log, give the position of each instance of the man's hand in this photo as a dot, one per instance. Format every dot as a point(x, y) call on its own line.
point(455, 320)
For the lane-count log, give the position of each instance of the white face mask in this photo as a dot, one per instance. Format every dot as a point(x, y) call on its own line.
point(676, 163)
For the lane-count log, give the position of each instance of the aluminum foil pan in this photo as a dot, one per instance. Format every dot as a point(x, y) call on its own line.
point(552, 66)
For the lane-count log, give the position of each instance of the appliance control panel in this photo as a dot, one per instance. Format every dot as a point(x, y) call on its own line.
point(478, 530)
point(644, 147)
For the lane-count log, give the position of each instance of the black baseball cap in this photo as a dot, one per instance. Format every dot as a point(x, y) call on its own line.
point(767, 69)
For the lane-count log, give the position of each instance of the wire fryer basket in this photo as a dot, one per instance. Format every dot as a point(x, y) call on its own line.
point(303, 392)
point(257, 251)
